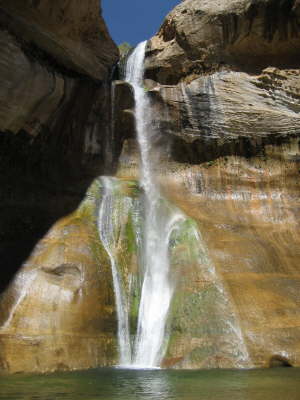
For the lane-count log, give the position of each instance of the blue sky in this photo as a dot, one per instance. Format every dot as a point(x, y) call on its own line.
point(133, 21)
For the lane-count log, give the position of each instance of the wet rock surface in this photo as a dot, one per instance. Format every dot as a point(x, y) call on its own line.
point(247, 212)
point(223, 77)
point(228, 113)
point(226, 99)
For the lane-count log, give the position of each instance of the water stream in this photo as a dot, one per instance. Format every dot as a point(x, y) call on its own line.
point(160, 221)
point(157, 226)
point(110, 213)
point(148, 345)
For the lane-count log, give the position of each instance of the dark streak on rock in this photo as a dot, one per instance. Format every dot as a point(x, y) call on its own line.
point(209, 149)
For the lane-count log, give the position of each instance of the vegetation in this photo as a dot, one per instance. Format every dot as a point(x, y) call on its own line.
point(124, 48)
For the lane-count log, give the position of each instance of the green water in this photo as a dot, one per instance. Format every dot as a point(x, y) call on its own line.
point(114, 384)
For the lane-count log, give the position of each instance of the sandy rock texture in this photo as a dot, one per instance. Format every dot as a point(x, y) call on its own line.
point(56, 58)
point(223, 77)
point(71, 32)
point(228, 113)
point(59, 313)
point(199, 36)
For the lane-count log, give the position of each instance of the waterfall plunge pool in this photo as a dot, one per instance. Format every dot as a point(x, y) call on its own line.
point(118, 384)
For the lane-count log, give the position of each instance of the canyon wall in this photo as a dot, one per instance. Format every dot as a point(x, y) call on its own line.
point(224, 81)
point(55, 111)
point(223, 78)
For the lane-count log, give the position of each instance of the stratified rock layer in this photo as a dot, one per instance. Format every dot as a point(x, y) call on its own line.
point(247, 212)
point(224, 83)
point(202, 35)
point(225, 89)
point(72, 33)
point(55, 138)
point(228, 113)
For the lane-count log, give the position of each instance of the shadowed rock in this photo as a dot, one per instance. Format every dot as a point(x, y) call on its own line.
point(55, 138)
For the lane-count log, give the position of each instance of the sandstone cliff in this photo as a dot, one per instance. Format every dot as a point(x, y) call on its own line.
point(223, 77)
point(56, 60)
point(204, 36)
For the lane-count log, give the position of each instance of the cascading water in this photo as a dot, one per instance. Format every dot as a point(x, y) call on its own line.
point(109, 218)
point(160, 221)
point(162, 234)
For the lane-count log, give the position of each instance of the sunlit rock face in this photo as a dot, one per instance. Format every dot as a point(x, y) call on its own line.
point(247, 211)
point(223, 77)
point(228, 113)
point(236, 302)
point(224, 82)
point(200, 36)
point(55, 135)
point(58, 313)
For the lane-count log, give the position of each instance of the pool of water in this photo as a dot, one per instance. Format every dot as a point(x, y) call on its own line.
point(118, 384)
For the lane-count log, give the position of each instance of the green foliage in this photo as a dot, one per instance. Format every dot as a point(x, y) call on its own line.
point(124, 48)
point(134, 308)
point(130, 235)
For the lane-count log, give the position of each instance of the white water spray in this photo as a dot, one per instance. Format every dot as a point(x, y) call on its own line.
point(155, 226)
point(160, 221)
point(110, 215)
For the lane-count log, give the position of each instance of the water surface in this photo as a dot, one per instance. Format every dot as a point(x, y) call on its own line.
point(117, 384)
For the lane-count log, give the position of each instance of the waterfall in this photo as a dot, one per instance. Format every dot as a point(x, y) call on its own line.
point(110, 215)
point(144, 285)
point(160, 221)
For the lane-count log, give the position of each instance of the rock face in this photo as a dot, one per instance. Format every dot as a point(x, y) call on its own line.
point(200, 36)
point(55, 136)
point(55, 61)
point(223, 77)
point(72, 33)
point(229, 113)
point(247, 213)
point(59, 312)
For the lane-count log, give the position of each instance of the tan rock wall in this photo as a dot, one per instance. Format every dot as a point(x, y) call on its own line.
point(247, 213)
point(200, 36)
point(58, 312)
point(56, 307)
point(226, 99)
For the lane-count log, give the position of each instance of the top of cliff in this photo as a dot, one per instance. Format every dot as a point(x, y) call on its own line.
point(201, 36)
